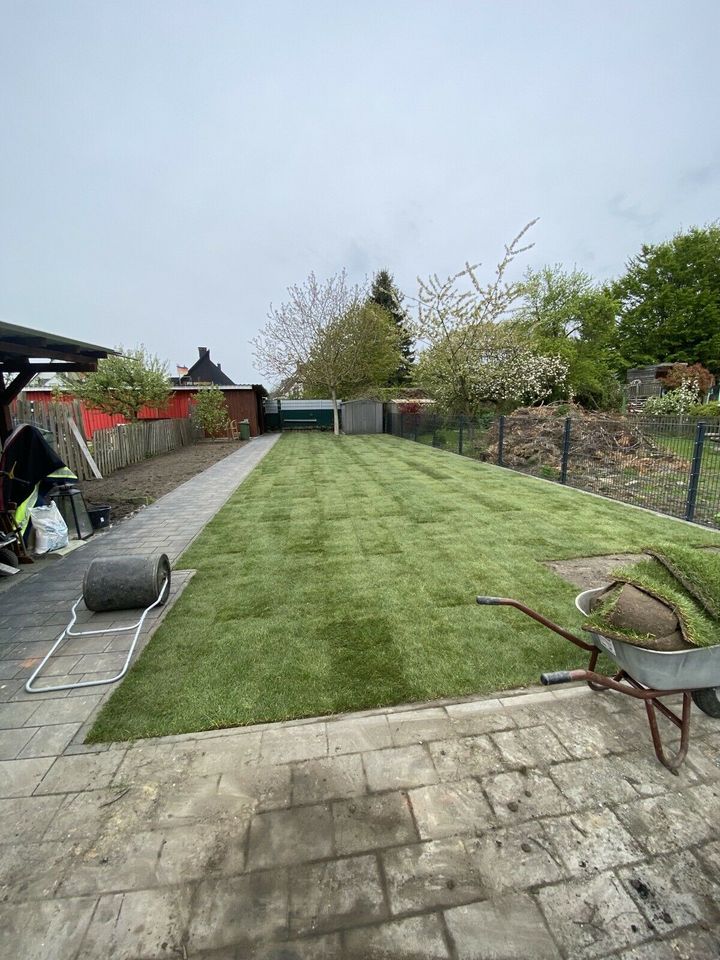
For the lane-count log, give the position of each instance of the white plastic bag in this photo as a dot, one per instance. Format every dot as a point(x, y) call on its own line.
point(51, 532)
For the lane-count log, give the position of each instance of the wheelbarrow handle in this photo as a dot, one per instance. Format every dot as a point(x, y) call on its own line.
point(558, 676)
point(533, 614)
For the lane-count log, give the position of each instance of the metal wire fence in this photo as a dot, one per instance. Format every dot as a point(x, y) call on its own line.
point(671, 465)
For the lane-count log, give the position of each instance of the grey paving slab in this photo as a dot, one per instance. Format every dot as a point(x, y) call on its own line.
point(511, 928)
point(370, 823)
point(428, 876)
point(290, 836)
point(399, 768)
point(329, 778)
point(20, 778)
point(417, 938)
point(335, 894)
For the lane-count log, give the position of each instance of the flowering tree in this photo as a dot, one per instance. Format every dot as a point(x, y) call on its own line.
point(471, 357)
point(680, 400)
point(499, 368)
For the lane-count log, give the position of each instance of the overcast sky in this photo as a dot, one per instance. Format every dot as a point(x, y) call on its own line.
point(168, 168)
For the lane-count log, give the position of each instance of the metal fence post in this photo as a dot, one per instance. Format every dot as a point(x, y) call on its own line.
point(460, 435)
point(695, 470)
point(565, 450)
point(501, 440)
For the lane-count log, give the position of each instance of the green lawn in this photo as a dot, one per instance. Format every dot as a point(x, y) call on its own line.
point(342, 575)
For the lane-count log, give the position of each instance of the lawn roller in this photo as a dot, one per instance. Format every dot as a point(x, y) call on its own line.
point(113, 583)
point(646, 675)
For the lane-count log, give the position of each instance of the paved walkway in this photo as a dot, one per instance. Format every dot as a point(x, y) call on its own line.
point(532, 826)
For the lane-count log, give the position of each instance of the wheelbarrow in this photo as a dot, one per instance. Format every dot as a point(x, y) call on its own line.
point(646, 675)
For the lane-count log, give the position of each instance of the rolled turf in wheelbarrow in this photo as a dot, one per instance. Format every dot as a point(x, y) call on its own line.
point(124, 583)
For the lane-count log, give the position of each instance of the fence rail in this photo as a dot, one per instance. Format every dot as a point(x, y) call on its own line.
point(671, 465)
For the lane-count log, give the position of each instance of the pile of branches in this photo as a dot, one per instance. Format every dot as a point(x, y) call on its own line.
point(534, 437)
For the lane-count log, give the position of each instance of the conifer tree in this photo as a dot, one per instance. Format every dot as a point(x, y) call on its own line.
point(385, 293)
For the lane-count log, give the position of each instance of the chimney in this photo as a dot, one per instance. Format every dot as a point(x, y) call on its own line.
point(203, 352)
point(218, 366)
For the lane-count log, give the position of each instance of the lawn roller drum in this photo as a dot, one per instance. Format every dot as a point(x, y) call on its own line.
point(113, 583)
point(646, 675)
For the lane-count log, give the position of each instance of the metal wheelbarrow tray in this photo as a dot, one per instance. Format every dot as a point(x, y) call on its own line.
point(646, 675)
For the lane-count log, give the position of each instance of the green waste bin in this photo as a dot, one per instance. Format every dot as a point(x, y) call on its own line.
point(244, 429)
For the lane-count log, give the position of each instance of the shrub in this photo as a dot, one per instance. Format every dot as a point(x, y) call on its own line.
point(708, 411)
point(210, 412)
point(674, 401)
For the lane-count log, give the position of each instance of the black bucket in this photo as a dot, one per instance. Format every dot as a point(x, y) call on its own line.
point(99, 516)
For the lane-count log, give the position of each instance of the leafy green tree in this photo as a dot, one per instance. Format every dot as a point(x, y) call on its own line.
point(563, 312)
point(385, 294)
point(210, 411)
point(670, 301)
point(329, 339)
point(123, 383)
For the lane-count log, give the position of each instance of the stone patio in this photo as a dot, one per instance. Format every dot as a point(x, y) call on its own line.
point(534, 825)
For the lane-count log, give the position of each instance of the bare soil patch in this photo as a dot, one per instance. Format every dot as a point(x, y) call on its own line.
point(588, 572)
point(140, 484)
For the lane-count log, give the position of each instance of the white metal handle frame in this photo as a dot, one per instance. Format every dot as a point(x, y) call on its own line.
point(69, 632)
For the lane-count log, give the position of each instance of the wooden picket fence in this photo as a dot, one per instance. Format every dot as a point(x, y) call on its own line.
point(113, 447)
point(54, 418)
point(116, 447)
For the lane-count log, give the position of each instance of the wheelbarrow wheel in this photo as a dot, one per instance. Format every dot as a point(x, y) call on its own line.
point(9, 559)
point(708, 700)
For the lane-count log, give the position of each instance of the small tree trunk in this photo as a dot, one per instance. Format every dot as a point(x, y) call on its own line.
point(336, 415)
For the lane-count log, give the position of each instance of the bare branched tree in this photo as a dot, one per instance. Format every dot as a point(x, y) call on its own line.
point(328, 338)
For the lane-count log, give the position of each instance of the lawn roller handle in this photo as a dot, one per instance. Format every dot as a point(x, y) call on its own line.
point(529, 612)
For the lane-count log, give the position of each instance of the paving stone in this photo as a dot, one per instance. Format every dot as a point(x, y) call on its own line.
point(258, 788)
point(19, 778)
point(511, 928)
point(27, 929)
point(688, 945)
point(25, 818)
point(588, 736)
point(290, 836)
point(398, 768)
point(68, 710)
point(673, 891)
point(515, 858)
point(330, 778)
point(90, 771)
point(358, 735)
point(427, 876)
point(648, 777)
point(592, 841)
point(32, 871)
point(529, 747)
point(224, 754)
point(518, 796)
point(294, 743)
point(201, 849)
point(325, 947)
point(417, 938)
point(665, 823)
point(419, 726)
point(446, 809)
point(85, 815)
point(365, 823)
point(149, 923)
point(479, 716)
point(111, 865)
point(51, 740)
point(251, 909)
point(465, 756)
point(198, 799)
point(16, 714)
point(155, 763)
point(334, 894)
point(13, 741)
point(587, 782)
point(592, 918)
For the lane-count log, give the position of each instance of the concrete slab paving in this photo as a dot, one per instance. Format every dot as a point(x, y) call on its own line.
point(526, 825)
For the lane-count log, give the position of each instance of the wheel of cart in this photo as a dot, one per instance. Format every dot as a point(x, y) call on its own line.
point(647, 675)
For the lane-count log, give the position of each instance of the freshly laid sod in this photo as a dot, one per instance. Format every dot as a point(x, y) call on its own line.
point(342, 575)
